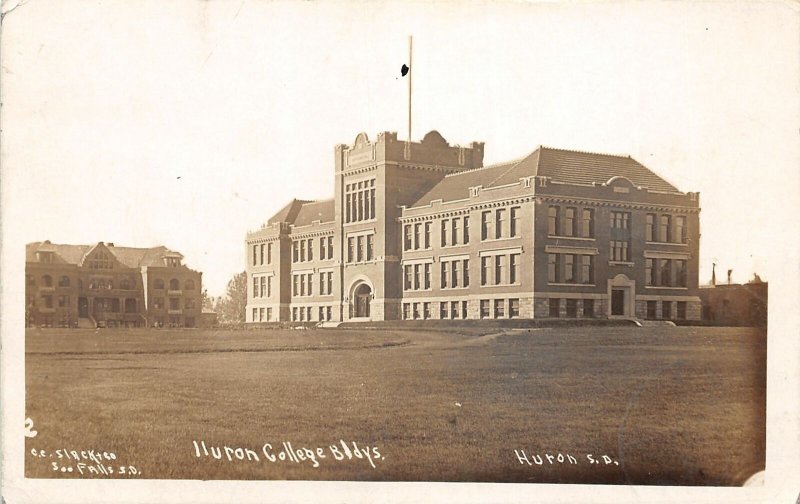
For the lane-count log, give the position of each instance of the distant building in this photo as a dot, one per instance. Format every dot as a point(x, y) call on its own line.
point(107, 286)
point(735, 304)
point(423, 230)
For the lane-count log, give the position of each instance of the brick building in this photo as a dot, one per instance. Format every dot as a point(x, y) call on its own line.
point(107, 286)
point(422, 230)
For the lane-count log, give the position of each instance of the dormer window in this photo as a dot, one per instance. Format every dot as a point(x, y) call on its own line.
point(45, 257)
point(173, 262)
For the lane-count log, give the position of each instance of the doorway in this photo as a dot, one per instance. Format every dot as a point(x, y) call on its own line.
point(362, 298)
point(83, 307)
point(618, 302)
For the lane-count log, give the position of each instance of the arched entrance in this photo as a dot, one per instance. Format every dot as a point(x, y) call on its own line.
point(361, 299)
point(621, 297)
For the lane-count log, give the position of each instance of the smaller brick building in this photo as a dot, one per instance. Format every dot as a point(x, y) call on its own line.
point(107, 286)
point(735, 304)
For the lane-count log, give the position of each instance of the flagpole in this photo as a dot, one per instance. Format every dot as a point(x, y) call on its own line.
point(410, 71)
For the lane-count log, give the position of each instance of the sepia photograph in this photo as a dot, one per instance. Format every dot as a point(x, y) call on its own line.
point(437, 251)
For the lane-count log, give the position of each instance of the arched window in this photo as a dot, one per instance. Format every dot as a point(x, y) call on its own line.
point(189, 285)
point(174, 284)
point(125, 284)
point(63, 281)
point(159, 283)
point(47, 281)
point(110, 285)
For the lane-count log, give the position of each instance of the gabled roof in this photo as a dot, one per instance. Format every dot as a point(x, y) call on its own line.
point(571, 167)
point(303, 213)
point(130, 257)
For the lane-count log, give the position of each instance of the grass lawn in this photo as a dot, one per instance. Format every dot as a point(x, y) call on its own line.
point(666, 405)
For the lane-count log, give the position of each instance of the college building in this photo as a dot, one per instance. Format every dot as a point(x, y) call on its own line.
point(107, 286)
point(423, 230)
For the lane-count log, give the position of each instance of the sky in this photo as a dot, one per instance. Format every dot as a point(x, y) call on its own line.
point(188, 123)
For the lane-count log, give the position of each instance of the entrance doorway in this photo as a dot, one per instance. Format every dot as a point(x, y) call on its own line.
point(83, 307)
point(362, 298)
point(618, 302)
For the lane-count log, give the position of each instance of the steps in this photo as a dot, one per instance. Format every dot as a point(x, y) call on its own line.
point(655, 323)
point(86, 323)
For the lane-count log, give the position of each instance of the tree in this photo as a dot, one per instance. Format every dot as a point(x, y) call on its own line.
point(230, 309)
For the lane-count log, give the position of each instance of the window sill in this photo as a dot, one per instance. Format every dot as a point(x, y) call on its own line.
point(421, 249)
point(657, 287)
point(501, 239)
point(417, 290)
point(579, 238)
point(570, 285)
point(666, 243)
point(620, 263)
point(366, 221)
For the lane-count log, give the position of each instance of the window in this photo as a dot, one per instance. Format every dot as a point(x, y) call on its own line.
point(174, 284)
point(63, 281)
point(514, 222)
point(370, 247)
point(47, 281)
point(666, 272)
point(618, 251)
point(255, 256)
point(321, 313)
point(426, 310)
point(500, 217)
point(466, 272)
point(680, 272)
point(360, 201)
point(466, 230)
point(555, 305)
point(189, 285)
point(513, 307)
point(649, 273)
point(666, 309)
point(513, 269)
point(454, 274)
point(485, 308)
point(428, 235)
point(443, 309)
point(664, 229)
point(302, 250)
point(427, 284)
point(30, 281)
point(416, 310)
point(443, 239)
point(572, 308)
point(587, 269)
point(174, 303)
point(499, 269)
point(359, 248)
point(262, 253)
point(552, 268)
point(569, 221)
point(329, 312)
point(269, 286)
point(302, 285)
point(323, 249)
point(408, 277)
point(619, 220)
point(680, 230)
point(588, 308)
point(499, 308)
point(453, 309)
point(417, 276)
point(484, 270)
point(189, 303)
point(158, 303)
point(682, 310)
point(330, 247)
point(350, 249)
point(406, 310)
point(650, 228)
point(651, 309)
point(445, 275)
point(294, 314)
point(587, 223)
point(330, 283)
point(295, 285)
point(463, 309)
point(417, 234)
point(569, 269)
point(263, 286)
point(255, 287)
point(63, 301)
point(255, 314)
point(486, 225)
point(454, 231)
point(159, 283)
point(552, 221)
